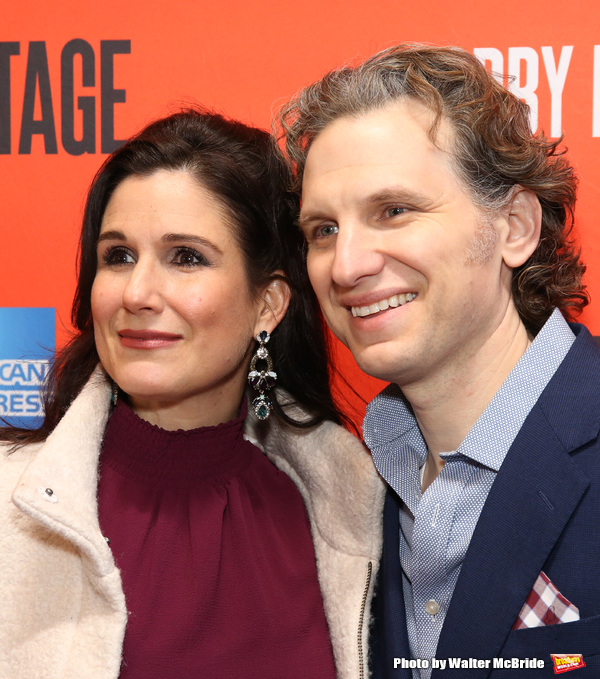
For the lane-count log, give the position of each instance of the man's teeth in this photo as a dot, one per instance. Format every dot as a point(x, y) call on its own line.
point(393, 301)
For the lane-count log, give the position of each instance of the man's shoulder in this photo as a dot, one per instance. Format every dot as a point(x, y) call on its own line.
point(570, 404)
point(581, 365)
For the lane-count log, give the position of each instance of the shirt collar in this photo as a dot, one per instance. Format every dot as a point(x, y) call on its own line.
point(393, 436)
point(497, 427)
point(391, 432)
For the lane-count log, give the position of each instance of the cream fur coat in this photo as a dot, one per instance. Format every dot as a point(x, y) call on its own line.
point(63, 609)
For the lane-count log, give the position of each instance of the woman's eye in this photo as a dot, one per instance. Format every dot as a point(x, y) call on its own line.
point(189, 257)
point(117, 256)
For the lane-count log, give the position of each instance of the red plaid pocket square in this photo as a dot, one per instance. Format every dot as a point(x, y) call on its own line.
point(545, 605)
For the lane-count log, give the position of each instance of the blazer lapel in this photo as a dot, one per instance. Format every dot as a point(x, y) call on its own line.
point(535, 493)
point(537, 489)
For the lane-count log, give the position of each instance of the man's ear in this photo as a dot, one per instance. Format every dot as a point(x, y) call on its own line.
point(523, 216)
point(273, 304)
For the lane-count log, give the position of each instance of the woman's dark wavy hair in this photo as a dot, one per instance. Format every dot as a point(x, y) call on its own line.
point(493, 150)
point(243, 167)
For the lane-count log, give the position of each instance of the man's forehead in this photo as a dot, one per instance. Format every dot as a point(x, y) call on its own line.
point(401, 111)
point(362, 149)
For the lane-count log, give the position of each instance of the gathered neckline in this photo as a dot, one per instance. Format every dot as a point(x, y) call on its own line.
point(145, 452)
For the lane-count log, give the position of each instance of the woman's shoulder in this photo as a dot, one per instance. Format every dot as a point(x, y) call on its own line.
point(331, 451)
point(336, 476)
point(17, 454)
point(326, 439)
point(326, 455)
point(13, 462)
point(82, 425)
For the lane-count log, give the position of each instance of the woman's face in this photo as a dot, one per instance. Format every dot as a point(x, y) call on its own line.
point(174, 319)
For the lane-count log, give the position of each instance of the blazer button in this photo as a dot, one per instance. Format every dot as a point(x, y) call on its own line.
point(432, 607)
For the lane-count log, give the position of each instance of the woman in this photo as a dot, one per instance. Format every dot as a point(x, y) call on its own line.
point(148, 536)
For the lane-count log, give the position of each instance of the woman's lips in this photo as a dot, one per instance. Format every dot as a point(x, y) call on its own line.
point(147, 339)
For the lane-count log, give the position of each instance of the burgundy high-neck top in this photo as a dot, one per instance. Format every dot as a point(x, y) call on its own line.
point(216, 556)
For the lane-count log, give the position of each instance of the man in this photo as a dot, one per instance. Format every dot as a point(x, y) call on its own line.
point(437, 229)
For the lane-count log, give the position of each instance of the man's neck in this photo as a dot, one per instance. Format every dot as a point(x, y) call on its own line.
point(447, 405)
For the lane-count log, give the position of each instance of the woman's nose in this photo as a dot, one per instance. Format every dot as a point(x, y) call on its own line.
point(143, 289)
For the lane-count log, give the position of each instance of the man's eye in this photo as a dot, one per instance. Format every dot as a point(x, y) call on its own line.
point(327, 230)
point(395, 211)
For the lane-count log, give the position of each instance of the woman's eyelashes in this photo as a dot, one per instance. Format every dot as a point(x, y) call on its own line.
point(188, 257)
point(117, 256)
point(181, 257)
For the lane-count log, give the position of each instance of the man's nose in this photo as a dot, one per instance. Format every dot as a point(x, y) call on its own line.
point(355, 255)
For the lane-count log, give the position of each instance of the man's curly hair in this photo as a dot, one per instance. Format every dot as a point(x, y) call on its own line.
point(493, 149)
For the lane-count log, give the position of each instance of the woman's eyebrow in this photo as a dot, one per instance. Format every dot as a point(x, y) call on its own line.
point(111, 235)
point(190, 238)
point(167, 238)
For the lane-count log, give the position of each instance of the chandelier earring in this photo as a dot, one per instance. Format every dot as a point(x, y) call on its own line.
point(262, 377)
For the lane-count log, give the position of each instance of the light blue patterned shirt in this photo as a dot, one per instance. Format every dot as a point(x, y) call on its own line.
point(436, 526)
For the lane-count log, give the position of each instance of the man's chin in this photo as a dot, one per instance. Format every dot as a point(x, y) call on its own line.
point(376, 363)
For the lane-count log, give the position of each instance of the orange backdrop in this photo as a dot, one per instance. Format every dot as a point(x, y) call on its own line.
point(75, 79)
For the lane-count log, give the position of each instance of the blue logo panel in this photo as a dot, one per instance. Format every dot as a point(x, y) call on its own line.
point(27, 340)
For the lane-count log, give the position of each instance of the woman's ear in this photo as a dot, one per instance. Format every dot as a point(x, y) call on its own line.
point(273, 304)
point(523, 216)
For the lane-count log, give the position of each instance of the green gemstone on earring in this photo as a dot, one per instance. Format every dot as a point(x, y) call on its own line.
point(262, 406)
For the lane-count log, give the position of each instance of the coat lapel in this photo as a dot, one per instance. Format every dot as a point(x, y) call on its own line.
point(537, 489)
point(66, 464)
point(389, 637)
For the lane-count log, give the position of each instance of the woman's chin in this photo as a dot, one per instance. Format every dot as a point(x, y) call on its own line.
point(148, 395)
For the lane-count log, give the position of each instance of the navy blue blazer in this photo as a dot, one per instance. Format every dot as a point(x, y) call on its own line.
point(542, 514)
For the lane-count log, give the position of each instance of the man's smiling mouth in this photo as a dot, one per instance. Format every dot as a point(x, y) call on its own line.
point(393, 302)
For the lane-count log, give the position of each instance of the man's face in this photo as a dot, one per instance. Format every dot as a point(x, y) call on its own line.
point(408, 272)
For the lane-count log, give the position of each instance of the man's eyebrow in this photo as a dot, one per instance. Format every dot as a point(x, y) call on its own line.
point(304, 220)
point(397, 194)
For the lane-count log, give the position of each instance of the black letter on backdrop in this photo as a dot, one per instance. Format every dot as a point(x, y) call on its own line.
point(108, 95)
point(37, 71)
point(87, 144)
point(7, 50)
